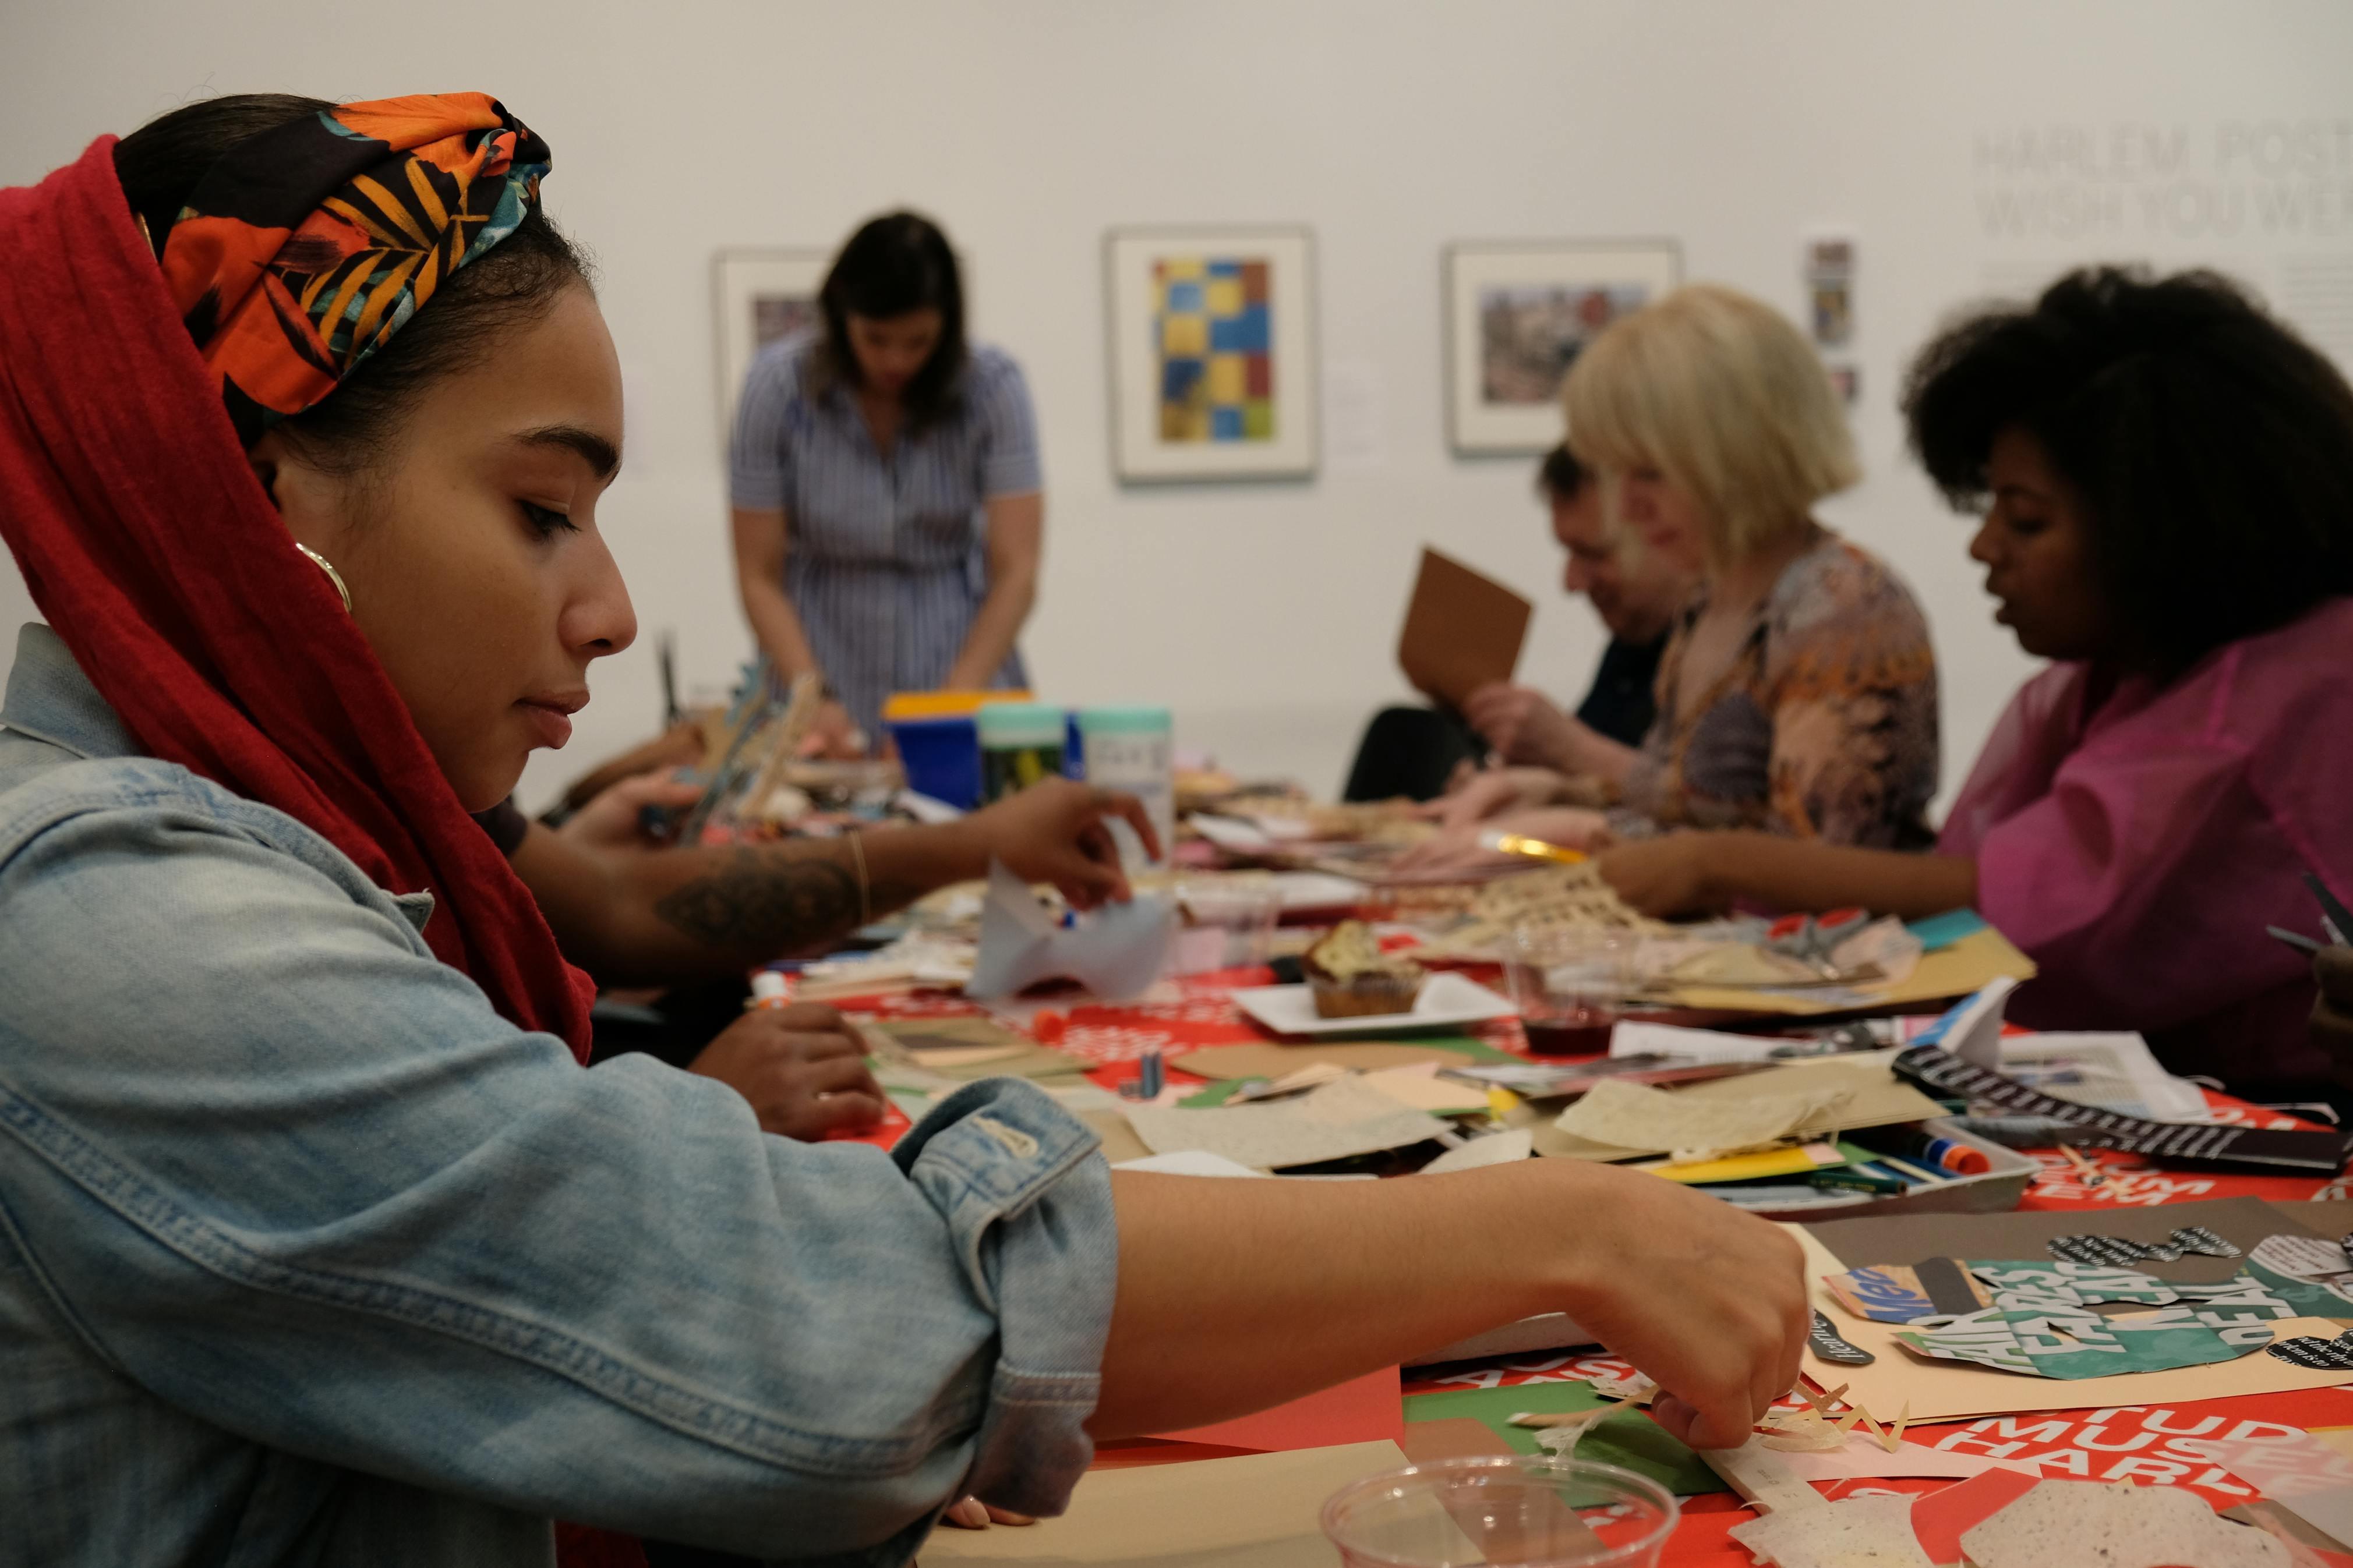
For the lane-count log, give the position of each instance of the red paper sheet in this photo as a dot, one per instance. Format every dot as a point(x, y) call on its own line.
point(1364, 1411)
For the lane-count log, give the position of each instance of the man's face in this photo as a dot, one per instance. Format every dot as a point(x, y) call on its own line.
point(1634, 591)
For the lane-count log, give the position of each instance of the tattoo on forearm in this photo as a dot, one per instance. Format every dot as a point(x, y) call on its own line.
point(767, 901)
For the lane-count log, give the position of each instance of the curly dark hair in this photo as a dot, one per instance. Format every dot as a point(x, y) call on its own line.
point(895, 264)
point(2212, 447)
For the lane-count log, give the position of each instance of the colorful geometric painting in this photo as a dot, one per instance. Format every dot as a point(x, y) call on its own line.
point(1213, 320)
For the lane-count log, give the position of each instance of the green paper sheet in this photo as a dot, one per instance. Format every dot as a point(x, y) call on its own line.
point(1630, 1437)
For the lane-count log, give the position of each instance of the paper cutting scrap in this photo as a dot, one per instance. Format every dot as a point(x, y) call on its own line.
point(2041, 1321)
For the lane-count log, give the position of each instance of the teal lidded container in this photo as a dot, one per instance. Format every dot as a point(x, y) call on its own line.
point(1020, 743)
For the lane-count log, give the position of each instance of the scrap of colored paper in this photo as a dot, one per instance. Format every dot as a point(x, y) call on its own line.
point(1939, 1519)
point(1364, 1410)
point(1628, 1437)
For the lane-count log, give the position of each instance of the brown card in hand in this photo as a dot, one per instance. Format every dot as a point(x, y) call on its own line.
point(1462, 630)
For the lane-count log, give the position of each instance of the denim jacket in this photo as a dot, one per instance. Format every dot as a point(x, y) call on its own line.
point(309, 1256)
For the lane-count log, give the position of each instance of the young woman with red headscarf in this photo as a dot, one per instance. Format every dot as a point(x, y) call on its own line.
point(317, 1244)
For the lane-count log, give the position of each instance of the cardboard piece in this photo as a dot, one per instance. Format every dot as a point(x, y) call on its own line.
point(1362, 1410)
point(1853, 1532)
point(2311, 1477)
point(1953, 1391)
point(1458, 1437)
point(1462, 630)
point(1969, 965)
point(2119, 1527)
point(1117, 951)
point(1274, 1061)
point(1873, 1098)
point(1119, 1144)
point(1697, 1130)
point(1418, 1085)
point(963, 1049)
point(1333, 1122)
point(1259, 1511)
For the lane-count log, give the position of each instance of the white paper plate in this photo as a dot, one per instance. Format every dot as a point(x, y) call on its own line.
point(1446, 998)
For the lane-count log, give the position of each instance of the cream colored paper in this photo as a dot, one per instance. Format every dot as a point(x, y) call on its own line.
point(1953, 1391)
point(1853, 1532)
point(1332, 1123)
point(1875, 1099)
point(1256, 1511)
point(1636, 1115)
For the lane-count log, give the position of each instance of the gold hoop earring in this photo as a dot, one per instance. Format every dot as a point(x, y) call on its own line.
point(333, 576)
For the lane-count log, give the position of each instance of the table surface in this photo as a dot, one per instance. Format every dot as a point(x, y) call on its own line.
point(2111, 1445)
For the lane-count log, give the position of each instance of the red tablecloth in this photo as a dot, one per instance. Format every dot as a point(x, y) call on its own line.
point(2133, 1443)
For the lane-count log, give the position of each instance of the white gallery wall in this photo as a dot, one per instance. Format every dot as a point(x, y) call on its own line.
point(1967, 148)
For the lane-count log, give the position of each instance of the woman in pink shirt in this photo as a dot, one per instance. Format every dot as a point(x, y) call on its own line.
point(2168, 482)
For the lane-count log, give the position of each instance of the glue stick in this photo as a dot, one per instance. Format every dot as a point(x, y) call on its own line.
point(772, 988)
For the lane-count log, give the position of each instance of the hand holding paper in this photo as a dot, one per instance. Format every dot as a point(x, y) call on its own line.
point(1116, 953)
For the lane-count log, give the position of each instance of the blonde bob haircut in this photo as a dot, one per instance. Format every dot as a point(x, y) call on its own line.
point(1718, 392)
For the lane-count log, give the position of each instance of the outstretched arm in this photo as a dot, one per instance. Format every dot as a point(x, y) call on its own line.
point(1237, 1295)
point(632, 913)
point(1690, 872)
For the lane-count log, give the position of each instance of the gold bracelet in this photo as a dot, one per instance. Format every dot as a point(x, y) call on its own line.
point(865, 895)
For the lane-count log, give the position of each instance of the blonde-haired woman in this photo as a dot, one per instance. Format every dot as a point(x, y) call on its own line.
point(1797, 693)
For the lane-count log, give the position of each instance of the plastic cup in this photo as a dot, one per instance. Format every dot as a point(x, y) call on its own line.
point(1509, 1511)
point(1227, 925)
point(1570, 986)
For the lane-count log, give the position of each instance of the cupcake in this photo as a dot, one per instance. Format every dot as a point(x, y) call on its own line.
point(1353, 978)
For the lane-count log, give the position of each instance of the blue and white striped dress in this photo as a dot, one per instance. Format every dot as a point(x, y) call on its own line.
point(886, 563)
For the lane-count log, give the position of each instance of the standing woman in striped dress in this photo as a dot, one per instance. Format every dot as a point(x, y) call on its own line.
point(888, 517)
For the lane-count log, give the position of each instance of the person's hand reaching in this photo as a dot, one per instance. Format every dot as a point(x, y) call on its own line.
point(1491, 792)
point(1662, 876)
point(1522, 725)
point(1708, 1301)
point(1055, 831)
point(1457, 852)
point(615, 820)
point(801, 1070)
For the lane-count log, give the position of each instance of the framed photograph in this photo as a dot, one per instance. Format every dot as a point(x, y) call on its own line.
point(1212, 352)
point(757, 297)
point(1517, 318)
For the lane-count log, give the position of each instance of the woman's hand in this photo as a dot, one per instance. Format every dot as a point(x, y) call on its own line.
point(1668, 875)
point(1491, 792)
point(1054, 832)
point(1458, 852)
point(1709, 1302)
point(832, 738)
point(1522, 725)
point(798, 1067)
point(614, 820)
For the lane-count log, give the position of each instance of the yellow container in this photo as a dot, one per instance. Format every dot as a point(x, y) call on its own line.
point(944, 704)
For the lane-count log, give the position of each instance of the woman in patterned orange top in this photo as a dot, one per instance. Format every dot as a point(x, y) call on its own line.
point(1798, 694)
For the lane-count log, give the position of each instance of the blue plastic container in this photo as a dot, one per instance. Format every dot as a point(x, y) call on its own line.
point(941, 757)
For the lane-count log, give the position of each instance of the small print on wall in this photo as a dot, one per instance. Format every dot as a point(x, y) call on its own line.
point(1211, 354)
point(1517, 315)
point(758, 297)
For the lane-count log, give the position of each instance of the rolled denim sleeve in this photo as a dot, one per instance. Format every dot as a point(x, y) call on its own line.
point(280, 1167)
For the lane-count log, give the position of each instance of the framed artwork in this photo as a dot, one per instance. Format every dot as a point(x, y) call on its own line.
point(1517, 318)
point(1212, 352)
point(757, 297)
